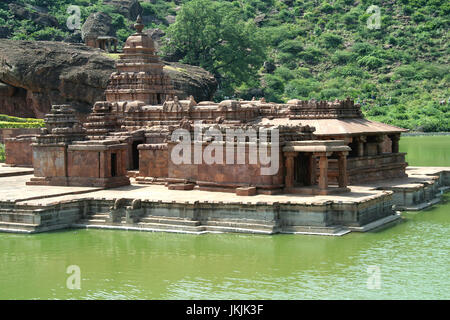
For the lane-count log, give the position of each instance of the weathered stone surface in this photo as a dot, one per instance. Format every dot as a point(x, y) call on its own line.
point(18, 151)
point(246, 191)
point(45, 73)
point(38, 17)
point(97, 24)
point(156, 35)
point(129, 8)
point(54, 73)
point(153, 161)
point(191, 80)
point(6, 90)
point(74, 37)
point(14, 132)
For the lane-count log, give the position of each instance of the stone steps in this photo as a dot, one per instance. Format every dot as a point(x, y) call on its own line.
point(215, 225)
point(176, 224)
point(240, 229)
point(169, 220)
point(167, 227)
point(17, 227)
point(96, 218)
point(313, 230)
point(99, 216)
point(38, 181)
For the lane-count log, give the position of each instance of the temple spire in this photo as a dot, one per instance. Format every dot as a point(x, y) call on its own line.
point(138, 25)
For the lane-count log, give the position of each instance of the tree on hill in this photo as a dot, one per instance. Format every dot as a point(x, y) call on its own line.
point(214, 36)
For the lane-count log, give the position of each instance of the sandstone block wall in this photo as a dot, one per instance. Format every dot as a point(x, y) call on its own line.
point(153, 160)
point(226, 175)
point(12, 133)
point(19, 152)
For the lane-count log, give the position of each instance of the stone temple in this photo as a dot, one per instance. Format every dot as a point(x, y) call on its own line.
point(146, 160)
point(321, 147)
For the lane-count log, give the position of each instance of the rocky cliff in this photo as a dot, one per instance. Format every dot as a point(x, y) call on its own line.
point(35, 75)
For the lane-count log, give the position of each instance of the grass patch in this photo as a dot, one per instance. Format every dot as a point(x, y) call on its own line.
point(114, 56)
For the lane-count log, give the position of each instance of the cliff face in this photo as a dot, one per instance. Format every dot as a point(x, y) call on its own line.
point(36, 75)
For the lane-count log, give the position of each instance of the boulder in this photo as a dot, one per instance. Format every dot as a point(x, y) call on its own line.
point(74, 37)
point(45, 73)
point(171, 19)
point(97, 24)
point(156, 35)
point(191, 81)
point(129, 8)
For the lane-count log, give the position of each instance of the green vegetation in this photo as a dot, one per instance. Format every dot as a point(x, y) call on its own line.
point(8, 122)
point(27, 29)
point(228, 46)
point(2, 152)
point(301, 49)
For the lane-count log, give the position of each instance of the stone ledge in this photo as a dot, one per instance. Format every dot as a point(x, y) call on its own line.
point(378, 224)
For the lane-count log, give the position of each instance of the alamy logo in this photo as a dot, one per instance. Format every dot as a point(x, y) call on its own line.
point(236, 146)
point(374, 278)
point(74, 280)
point(374, 21)
point(74, 20)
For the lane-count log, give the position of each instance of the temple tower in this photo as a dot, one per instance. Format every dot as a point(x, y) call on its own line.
point(140, 74)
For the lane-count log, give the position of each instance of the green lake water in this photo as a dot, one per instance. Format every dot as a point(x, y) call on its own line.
point(408, 261)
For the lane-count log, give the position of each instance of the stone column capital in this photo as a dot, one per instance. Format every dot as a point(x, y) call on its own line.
point(361, 138)
point(321, 154)
point(290, 154)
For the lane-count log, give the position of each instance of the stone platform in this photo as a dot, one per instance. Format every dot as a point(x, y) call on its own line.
point(30, 209)
point(9, 171)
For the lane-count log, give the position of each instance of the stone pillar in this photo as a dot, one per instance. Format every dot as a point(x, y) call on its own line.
point(395, 142)
point(323, 170)
point(380, 141)
point(289, 163)
point(342, 165)
point(360, 141)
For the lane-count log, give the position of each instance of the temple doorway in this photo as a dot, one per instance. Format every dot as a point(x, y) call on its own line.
point(113, 165)
point(302, 170)
point(135, 154)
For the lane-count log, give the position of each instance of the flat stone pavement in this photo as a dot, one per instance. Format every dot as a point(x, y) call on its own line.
point(15, 189)
point(6, 171)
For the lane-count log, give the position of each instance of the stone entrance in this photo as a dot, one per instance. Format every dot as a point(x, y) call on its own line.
point(307, 166)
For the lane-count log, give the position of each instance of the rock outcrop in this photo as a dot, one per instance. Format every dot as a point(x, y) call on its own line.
point(156, 35)
point(191, 80)
point(40, 17)
point(97, 24)
point(40, 74)
point(129, 8)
